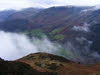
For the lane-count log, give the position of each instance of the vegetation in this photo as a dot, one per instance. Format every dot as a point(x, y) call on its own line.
point(19, 68)
point(56, 31)
point(46, 64)
point(59, 37)
point(56, 65)
point(63, 52)
point(35, 32)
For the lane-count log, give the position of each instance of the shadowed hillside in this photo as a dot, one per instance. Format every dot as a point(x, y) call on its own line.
point(5, 14)
point(18, 21)
point(19, 68)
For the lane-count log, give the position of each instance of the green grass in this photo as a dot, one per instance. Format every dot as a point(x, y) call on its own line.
point(35, 32)
point(63, 52)
point(26, 32)
point(55, 31)
point(59, 37)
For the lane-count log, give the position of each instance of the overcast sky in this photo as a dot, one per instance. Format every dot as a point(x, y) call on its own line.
point(19, 4)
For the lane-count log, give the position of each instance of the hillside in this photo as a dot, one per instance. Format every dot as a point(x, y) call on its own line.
point(17, 68)
point(75, 29)
point(72, 27)
point(44, 62)
point(5, 14)
point(24, 14)
point(18, 21)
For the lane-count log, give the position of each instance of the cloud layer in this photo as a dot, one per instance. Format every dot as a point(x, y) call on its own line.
point(14, 46)
point(19, 4)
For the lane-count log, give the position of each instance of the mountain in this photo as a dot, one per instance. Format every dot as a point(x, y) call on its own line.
point(19, 21)
point(96, 41)
point(76, 29)
point(5, 14)
point(65, 17)
point(47, 64)
point(24, 14)
point(17, 25)
point(56, 15)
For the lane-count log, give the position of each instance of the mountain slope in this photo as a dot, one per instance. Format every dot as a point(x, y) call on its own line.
point(16, 68)
point(19, 21)
point(44, 62)
point(24, 14)
point(69, 26)
point(5, 14)
point(56, 15)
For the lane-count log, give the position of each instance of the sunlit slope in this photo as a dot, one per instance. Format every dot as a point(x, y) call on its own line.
point(44, 62)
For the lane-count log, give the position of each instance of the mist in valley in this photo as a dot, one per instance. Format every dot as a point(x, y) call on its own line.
point(16, 45)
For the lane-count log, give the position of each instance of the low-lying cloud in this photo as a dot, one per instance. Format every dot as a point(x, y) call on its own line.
point(14, 46)
point(84, 28)
point(17, 45)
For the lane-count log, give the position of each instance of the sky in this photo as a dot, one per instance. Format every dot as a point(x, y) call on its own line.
point(19, 4)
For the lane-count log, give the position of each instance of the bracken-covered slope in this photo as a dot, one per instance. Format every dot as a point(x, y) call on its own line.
point(19, 68)
point(44, 62)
